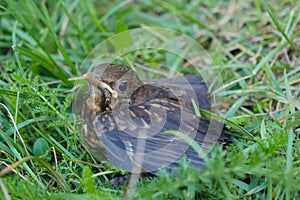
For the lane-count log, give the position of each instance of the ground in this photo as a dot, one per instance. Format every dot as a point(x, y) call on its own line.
point(253, 45)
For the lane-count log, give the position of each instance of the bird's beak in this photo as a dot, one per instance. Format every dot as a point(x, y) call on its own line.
point(96, 82)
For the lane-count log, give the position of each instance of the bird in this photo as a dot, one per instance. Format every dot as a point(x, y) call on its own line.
point(126, 120)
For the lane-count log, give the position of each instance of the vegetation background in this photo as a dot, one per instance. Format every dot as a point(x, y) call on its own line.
point(255, 44)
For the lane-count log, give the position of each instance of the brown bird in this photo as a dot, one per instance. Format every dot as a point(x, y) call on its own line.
point(125, 119)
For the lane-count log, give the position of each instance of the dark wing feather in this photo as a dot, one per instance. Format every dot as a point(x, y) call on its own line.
point(192, 85)
point(138, 130)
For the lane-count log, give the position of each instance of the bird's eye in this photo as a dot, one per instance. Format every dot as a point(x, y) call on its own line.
point(123, 85)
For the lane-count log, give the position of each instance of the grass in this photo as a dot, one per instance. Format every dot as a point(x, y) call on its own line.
point(254, 45)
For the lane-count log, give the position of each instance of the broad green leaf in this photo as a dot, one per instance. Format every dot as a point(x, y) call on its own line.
point(40, 147)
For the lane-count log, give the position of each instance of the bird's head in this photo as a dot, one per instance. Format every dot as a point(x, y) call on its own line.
point(114, 83)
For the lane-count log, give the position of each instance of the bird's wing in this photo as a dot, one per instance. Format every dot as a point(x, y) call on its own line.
point(135, 135)
point(193, 85)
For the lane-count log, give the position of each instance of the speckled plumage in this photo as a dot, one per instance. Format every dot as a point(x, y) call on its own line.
point(129, 129)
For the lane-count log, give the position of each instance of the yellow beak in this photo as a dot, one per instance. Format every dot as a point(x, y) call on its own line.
point(96, 82)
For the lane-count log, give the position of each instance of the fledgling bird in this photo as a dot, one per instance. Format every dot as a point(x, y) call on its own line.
point(125, 119)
